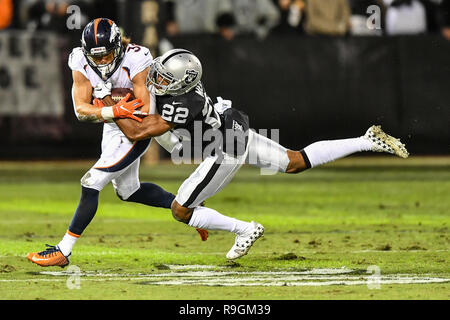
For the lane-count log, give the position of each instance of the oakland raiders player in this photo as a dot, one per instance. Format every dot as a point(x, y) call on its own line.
point(106, 60)
point(182, 103)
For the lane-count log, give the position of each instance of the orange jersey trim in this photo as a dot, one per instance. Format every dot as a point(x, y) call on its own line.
point(73, 234)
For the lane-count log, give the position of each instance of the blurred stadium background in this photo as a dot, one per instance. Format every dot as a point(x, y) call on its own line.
point(315, 69)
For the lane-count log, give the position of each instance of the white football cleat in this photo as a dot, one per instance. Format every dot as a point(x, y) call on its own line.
point(244, 242)
point(382, 142)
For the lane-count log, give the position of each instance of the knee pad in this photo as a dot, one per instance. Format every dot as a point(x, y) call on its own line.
point(95, 179)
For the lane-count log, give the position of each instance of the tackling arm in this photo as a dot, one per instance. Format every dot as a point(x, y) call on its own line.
point(151, 126)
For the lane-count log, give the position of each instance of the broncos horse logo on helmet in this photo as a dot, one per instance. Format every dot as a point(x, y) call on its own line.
point(101, 37)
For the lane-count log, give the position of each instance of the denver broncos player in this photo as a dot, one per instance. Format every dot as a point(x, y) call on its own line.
point(183, 106)
point(107, 60)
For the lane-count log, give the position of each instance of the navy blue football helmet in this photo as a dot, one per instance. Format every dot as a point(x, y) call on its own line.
point(102, 37)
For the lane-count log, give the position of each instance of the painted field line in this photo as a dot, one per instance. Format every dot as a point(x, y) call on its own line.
point(315, 271)
point(189, 275)
point(295, 284)
point(265, 282)
point(65, 279)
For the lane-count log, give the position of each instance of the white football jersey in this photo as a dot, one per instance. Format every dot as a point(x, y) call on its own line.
point(135, 60)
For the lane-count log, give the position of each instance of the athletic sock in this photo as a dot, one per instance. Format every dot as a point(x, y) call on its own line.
point(152, 195)
point(210, 219)
point(87, 207)
point(85, 212)
point(67, 243)
point(322, 152)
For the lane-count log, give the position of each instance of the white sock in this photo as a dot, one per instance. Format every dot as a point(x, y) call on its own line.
point(67, 243)
point(207, 218)
point(326, 151)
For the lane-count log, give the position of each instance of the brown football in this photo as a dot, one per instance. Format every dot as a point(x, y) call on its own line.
point(118, 94)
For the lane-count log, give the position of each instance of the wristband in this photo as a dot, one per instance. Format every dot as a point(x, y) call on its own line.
point(107, 113)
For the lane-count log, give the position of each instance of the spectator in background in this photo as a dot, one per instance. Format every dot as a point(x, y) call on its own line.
point(291, 16)
point(6, 13)
point(254, 17)
point(327, 17)
point(194, 16)
point(359, 18)
point(405, 17)
point(226, 24)
point(444, 19)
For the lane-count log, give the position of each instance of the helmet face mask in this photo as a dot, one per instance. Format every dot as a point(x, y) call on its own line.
point(101, 37)
point(176, 72)
point(160, 79)
point(105, 70)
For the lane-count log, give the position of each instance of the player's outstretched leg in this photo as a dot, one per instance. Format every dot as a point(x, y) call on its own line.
point(206, 218)
point(322, 152)
point(59, 255)
point(268, 154)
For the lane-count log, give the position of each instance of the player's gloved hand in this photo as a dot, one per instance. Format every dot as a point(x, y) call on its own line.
point(98, 103)
point(124, 109)
point(102, 90)
point(203, 233)
point(221, 105)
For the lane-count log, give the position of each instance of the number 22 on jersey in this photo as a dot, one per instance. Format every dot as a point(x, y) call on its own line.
point(172, 114)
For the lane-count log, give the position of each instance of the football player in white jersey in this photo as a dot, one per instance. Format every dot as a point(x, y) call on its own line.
point(183, 106)
point(107, 60)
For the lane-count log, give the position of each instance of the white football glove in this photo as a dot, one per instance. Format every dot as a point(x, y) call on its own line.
point(102, 90)
point(169, 141)
point(222, 105)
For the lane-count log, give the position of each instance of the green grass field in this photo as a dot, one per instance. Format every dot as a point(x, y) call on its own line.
point(324, 229)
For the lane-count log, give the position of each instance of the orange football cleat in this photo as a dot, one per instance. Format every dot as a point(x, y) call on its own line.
point(50, 257)
point(203, 234)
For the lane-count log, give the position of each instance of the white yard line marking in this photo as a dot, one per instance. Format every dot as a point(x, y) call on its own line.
point(192, 266)
point(197, 275)
point(266, 282)
point(297, 284)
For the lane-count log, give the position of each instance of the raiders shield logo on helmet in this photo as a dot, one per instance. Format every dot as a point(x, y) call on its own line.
point(191, 75)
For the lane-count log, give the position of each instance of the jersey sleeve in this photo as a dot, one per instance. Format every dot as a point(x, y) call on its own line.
point(140, 58)
point(77, 61)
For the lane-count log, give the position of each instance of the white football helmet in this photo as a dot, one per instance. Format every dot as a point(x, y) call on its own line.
point(176, 72)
